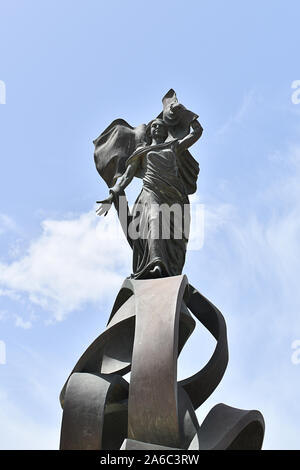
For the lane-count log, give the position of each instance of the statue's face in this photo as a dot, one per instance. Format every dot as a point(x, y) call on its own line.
point(159, 130)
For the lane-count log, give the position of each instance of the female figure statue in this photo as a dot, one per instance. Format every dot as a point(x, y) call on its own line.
point(158, 235)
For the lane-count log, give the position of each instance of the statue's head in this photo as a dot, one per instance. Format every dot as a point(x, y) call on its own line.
point(157, 129)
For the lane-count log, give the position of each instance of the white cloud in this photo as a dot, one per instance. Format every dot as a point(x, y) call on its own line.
point(21, 323)
point(6, 223)
point(9, 293)
point(72, 262)
point(263, 244)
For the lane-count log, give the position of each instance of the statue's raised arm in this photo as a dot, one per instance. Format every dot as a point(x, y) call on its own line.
point(191, 138)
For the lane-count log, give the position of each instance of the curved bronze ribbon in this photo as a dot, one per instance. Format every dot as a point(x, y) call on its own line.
point(148, 326)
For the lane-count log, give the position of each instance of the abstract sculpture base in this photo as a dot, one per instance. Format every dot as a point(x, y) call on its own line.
point(150, 323)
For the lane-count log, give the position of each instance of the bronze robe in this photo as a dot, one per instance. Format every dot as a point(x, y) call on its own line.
point(160, 217)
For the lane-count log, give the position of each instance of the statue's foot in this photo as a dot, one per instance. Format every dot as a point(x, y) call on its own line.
point(156, 272)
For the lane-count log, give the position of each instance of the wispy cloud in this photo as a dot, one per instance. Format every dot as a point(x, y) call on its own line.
point(6, 223)
point(21, 323)
point(253, 259)
point(239, 115)
point(72, 262)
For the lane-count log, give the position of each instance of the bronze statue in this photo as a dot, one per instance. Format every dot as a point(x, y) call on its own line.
point(160, 157)
point(155, 311)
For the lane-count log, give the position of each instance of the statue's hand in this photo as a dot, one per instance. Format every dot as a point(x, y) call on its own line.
point(177, 108)
point(105, 205)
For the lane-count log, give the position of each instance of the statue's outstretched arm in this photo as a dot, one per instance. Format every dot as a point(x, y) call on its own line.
point(118, 188)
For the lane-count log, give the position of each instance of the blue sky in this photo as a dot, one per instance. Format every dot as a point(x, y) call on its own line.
point(70, 68)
